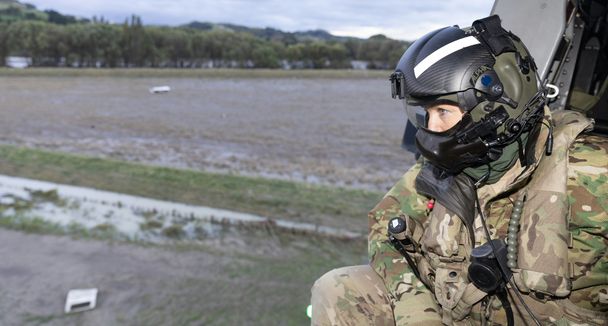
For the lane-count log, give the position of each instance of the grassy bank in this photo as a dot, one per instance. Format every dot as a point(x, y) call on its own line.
point(192, 73)
point(272, 198)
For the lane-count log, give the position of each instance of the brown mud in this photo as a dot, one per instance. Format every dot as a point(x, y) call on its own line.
point(344, 132)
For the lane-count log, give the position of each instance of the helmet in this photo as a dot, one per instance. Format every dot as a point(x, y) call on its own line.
point(489, 74)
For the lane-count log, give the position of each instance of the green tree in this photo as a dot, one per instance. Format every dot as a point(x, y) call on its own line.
point(295, 52)
point(56, 46)
point(26, 38)
point(338, 56)
point(179, 47)
point(158, 45)
point(55, 39)
point(324, 55)
point(82, 45)
point(353, 47)
point(133, 42)
point(108, 44)
point(201, 47)
point(265, 56)
point(4, 46)
point(381, 51)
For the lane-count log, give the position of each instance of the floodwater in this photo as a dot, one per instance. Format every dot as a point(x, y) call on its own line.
point(133, 217)
point(344, 132)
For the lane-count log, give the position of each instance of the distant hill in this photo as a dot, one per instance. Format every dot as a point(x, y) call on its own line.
point(13, 10)
point(270, 33)
point(7, 3)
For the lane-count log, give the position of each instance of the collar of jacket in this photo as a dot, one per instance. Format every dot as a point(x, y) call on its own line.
point(517, 175)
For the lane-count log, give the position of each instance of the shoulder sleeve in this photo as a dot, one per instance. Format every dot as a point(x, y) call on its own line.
point(389, 264)
point(588, 197)
point(588, 179)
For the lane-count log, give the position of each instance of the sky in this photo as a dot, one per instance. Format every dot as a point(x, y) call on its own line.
point(404, 19)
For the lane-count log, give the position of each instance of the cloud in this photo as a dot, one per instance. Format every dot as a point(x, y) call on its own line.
point(402, 19)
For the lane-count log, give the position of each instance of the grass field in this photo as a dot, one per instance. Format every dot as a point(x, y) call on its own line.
point(295, 201)
point(192, 73)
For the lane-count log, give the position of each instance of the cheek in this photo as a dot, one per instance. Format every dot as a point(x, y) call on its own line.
point(454, 119)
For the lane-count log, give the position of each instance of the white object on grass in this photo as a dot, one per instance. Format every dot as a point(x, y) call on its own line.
point(160, 89)
point(80, 300)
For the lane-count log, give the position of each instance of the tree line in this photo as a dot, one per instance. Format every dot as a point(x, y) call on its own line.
point(97, 43)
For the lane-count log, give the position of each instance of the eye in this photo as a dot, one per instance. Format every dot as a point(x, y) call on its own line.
point(443, 111)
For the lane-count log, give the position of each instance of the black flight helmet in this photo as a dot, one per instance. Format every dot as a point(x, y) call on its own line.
point(484, 70)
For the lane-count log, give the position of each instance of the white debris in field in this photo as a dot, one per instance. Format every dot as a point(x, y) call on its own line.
point(79, 300)
point(138, 218)
point(160, 89)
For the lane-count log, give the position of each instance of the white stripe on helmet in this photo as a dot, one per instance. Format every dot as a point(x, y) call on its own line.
point(443, 52)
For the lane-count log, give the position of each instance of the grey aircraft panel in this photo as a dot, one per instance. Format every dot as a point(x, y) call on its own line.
point(539, 23)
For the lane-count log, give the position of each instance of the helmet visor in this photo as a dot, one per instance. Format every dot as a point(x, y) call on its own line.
point(416, 113)
point(416, 108)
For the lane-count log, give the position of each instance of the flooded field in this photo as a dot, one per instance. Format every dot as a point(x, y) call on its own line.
point(158, 263)
point(344, 132)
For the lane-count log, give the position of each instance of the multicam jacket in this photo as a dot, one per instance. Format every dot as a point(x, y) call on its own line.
point(562, 257)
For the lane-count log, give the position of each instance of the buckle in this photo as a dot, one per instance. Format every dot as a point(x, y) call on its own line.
point(453, 259)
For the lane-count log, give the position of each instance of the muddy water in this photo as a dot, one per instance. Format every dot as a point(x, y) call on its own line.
point(343, 132)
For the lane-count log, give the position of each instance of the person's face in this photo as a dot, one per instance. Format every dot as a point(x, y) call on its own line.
point(442, 117)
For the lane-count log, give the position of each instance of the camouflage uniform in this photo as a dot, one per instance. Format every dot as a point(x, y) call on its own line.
point(562, 256)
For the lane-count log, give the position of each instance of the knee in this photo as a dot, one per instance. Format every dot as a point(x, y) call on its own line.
point(326, 285)
point(325, 294)
point(335, 282)
point(350, 296)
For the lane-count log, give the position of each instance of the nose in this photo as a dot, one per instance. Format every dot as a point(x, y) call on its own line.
point(434, 123)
